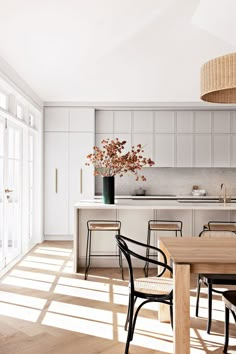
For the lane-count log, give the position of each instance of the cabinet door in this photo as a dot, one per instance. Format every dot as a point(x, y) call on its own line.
point(143, 122)
point(81, 178)
point(184, 122)
point(56, 184)
point(164, 121)
point(81, 119)
point(56, 119)
point(146, 140)
point(221, 122)
point(104, 122)
point(202, 150)
point(164, 150)
point(221, 151)
point(202, 122)
point(184, 153)
point(122, 122)
point(233, 150)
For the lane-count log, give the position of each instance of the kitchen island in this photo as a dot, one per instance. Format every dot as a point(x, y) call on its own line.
point(134, 216)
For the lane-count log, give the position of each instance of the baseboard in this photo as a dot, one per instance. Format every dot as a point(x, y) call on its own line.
point(58, 237)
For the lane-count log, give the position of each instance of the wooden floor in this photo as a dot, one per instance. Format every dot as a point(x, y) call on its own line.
point(45, 308)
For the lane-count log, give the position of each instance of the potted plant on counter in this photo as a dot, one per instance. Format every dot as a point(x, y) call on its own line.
point(111, 160)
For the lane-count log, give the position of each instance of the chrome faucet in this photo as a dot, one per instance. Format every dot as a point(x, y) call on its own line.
point(225, 194)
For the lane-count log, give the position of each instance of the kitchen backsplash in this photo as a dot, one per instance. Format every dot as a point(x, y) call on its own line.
point(177, 181)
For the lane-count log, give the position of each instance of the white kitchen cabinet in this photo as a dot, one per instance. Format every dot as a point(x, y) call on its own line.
point(81, 178)
point(104, 122)
point(221, 150)
point(164, 150)
point(146, 140)
point(122, 122)
point(81, 119)
point(184, 122)
point(184, 150)
point(56, 119)
point(233, 122)
point(233, 150)
point(202, 122)
point(56, 182)
point(221, 122)
point(142, 121)
point(164, 121)
point(99, 137)
point(202, 150)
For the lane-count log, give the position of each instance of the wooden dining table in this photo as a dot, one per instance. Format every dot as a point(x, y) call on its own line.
point(194, 255)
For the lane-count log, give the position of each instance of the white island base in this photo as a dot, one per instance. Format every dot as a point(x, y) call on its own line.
point(134, 216)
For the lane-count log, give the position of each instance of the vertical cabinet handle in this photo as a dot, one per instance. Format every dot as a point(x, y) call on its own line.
point(81, 181)
point(56, 180)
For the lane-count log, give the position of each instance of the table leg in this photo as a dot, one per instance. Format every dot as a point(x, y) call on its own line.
point(181, 308)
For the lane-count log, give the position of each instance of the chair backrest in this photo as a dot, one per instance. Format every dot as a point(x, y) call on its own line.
point(129, 249)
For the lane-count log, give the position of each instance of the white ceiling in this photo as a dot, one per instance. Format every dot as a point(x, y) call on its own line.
point(115, 50)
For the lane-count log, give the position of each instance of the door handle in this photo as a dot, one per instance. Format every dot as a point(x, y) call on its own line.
point(9, 190)
point(56, 180)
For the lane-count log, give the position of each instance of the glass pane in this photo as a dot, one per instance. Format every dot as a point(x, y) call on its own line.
point(17, 144)
point(1, 138)
point(19, 111)
point(10, 142)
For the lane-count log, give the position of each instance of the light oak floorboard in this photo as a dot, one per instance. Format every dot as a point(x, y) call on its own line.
point(47, 309)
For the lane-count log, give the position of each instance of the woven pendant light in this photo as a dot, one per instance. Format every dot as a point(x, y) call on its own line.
point(218, 80)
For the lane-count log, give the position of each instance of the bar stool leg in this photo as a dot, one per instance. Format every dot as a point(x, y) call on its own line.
point(146, 267)
point(209, 308)
point(88, 252)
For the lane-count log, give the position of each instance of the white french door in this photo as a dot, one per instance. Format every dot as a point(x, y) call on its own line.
point(10, 191)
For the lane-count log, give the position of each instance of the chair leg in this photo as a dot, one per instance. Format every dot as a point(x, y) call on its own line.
point(209, 308)
point(171, 316)
point(226, 330)
point(198, 295)
point(146, 267)
point(88, 251)
point(120, 261)
point(181, 233)
point(130, 322)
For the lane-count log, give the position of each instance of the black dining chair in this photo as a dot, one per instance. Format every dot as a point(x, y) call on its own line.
point(150, 289)
point(229, 298)
point(213, 280)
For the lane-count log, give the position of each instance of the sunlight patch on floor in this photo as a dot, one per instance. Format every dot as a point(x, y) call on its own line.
point(41, 266)
point(26, 283)
point(86, 284)
point(83, 293)
point(98, 329)
point(33, 275)
point(23, 300)
point(84, 312)
point(20, 312)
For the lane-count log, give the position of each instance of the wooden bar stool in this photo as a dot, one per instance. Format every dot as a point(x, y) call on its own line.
point(161, 225)
point(101, 225)
point(219, 226)
point(229, 298)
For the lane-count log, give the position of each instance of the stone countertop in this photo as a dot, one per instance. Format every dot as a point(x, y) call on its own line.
point(154, 204)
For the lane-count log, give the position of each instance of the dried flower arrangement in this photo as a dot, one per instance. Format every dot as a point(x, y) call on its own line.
point(111, 159)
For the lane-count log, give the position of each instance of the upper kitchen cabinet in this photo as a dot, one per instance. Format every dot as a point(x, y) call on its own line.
point(221, 150)
point(104, 122)
point(143, 122)
point(56, 119)
point(164, 150)
point(81, 119)
point(122, 122)
point(184, 122)
point(164, 122)
point(221, 123)
point(203, 122)
point(146, 140)
point(74, 119)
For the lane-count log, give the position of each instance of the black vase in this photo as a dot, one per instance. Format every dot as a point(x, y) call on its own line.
point(108, 192)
